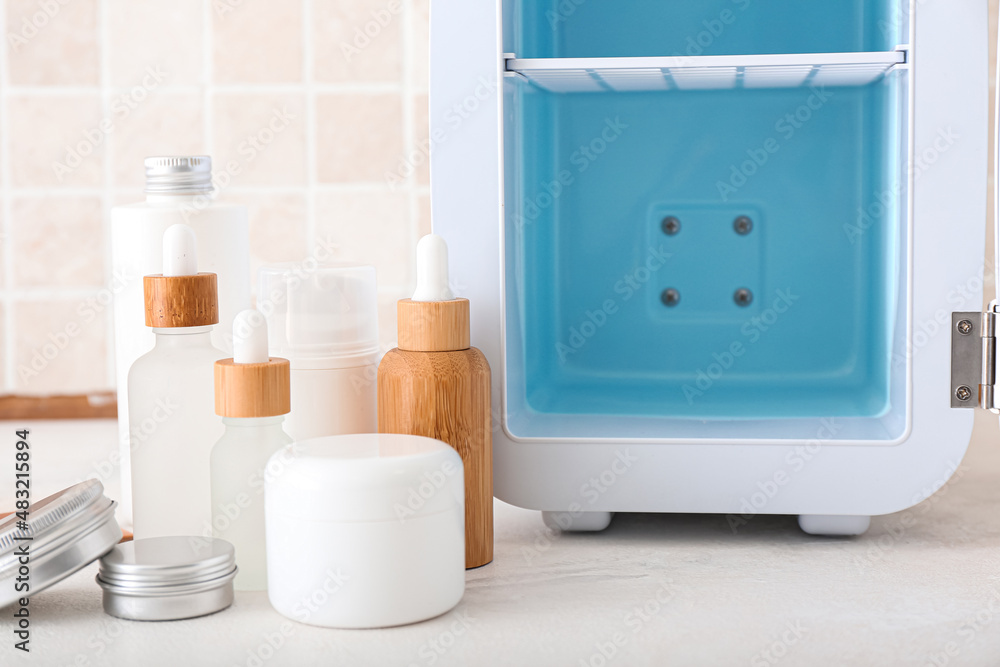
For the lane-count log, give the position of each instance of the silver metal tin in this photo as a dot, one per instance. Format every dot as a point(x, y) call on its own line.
point(68, 531)
point(178, 175)
point(168, 578)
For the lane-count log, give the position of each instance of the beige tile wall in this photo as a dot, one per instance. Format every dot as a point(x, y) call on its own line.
point(220, 69)
point(196, 76)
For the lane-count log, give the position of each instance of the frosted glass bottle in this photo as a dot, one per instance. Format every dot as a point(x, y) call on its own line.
point(171, 397)
point(178, 190)
point(239, 463)
point(252, 395)
point(173, 429)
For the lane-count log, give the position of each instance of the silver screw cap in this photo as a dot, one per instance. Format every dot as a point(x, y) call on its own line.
point(179, 175)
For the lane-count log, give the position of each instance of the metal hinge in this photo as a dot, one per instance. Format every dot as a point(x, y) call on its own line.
point(973, 359)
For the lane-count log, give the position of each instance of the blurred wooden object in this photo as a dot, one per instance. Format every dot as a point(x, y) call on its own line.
point(31, 408)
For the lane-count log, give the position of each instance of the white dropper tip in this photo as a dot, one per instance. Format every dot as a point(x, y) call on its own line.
point(180, 251)
point(250, 338)
point(432, 270)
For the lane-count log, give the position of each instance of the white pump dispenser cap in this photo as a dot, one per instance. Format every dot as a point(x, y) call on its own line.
point(320, 317)
point(250, 338)
point(180, 252)
point(432, 270)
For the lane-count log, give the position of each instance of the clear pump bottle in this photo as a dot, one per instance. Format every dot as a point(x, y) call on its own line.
point(252, 396)
point(324, 320)
point(171, 398)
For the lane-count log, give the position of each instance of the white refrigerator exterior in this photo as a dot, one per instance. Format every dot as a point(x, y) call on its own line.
point(834, 481)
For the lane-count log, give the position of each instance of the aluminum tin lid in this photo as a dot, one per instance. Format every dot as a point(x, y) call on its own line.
point(167, 562)
point(65, 532)
point(168, 578)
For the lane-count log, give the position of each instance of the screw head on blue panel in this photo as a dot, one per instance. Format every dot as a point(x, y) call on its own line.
point(671, 226)
point(670, 297)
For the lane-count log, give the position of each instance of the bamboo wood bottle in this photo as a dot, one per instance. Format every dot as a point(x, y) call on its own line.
point(436, 385)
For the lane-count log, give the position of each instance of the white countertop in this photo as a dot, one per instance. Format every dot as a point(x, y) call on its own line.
point(921, 588)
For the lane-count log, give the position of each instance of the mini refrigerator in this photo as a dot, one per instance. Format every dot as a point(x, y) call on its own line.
point(724, 256)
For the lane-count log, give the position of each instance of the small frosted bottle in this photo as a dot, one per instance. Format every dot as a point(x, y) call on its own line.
point(170, 397)
point(252, 396)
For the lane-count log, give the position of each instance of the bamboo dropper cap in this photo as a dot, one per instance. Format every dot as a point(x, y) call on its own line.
point(433, 320)
point(252, 384)
point(180, 296)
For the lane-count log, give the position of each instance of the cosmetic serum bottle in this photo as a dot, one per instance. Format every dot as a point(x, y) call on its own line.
point(171, 401)
point(252, 396)
point(437, 385)
point(179, 190)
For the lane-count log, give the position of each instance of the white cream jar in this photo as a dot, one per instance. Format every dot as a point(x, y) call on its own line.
point(365, 531)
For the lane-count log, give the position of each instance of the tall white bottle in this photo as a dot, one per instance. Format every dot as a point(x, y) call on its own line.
point(178, 190)
point(171, 396)
point(252, 396)
point(324, 320)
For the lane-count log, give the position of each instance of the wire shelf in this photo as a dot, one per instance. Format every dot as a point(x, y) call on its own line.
point(580, 75)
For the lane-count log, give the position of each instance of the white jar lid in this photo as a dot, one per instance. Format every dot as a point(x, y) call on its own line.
point(364, 478)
